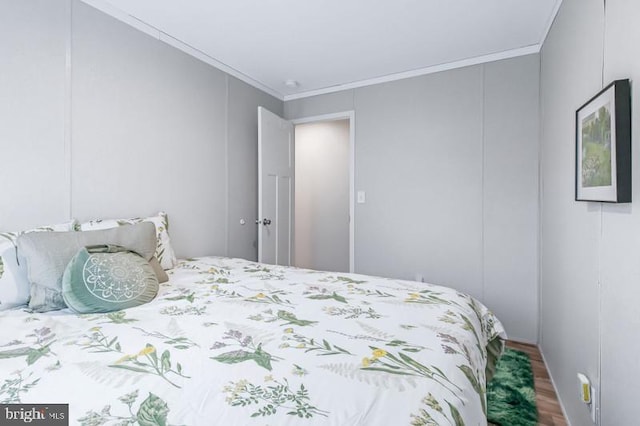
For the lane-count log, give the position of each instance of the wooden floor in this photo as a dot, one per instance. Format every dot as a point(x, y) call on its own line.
point(549, 411)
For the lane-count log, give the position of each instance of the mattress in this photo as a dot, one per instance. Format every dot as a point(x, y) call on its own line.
point(233, 342)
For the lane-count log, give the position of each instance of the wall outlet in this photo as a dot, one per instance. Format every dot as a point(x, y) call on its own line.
point(585, 388)
point(589, 396)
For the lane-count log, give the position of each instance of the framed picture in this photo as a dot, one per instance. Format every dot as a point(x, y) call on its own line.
point(603, 146)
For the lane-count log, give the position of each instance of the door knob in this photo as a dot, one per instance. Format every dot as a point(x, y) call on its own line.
point(264, 221)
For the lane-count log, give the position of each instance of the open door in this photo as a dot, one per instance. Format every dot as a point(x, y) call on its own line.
point(275, 188)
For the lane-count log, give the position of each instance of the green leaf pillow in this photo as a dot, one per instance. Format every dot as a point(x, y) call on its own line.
point(107, 278)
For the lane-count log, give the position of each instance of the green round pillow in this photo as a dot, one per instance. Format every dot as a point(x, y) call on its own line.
point(107, 278)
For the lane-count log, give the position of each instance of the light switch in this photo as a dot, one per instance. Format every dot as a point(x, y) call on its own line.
point(361, 197)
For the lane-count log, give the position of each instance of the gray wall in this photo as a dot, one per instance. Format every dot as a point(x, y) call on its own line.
point(321, 237)
point(449, 162)
point(589, 257)
point(130, 127)
point(33, 174)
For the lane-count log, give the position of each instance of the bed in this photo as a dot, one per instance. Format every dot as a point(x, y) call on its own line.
point(233, 342)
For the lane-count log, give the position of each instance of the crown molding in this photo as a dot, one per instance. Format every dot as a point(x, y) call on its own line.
point(528, 50)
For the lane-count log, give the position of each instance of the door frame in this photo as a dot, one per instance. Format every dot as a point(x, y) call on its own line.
point(351, 116)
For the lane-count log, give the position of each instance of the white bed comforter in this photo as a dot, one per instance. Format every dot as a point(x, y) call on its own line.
point(233, 342)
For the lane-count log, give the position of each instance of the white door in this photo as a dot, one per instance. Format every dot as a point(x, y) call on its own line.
point(275, 188)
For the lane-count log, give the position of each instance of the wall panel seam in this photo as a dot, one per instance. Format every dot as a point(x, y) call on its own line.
point(226, 165)
point(598, 407)
point(482, 179)
point(540, 204)
point(68, 157)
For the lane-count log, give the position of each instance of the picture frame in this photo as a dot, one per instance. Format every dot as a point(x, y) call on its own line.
point(603, 146)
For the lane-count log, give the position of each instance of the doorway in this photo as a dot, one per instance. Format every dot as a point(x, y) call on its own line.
point(322, 230)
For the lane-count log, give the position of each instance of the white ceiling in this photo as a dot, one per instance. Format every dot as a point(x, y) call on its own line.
point(330, 45)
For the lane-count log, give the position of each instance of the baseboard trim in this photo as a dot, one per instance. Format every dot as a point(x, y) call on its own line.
point(555, 388)
point(524, 341)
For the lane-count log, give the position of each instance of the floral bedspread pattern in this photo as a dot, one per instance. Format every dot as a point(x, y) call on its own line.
point(233, 342)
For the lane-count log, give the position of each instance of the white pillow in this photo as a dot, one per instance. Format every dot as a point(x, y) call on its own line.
point(14, 284)
point(164, 251)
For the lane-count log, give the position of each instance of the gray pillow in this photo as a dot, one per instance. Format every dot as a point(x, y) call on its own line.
point(106, 279)
point(47, 254)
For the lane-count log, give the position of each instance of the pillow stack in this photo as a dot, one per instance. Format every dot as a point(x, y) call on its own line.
point(48, 254)
point(111, 265)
